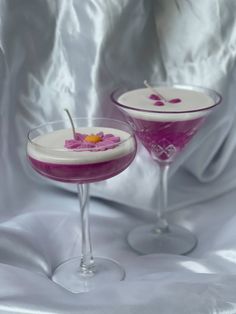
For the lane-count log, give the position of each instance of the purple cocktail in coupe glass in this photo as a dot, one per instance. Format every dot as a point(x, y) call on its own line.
point(96, 149)
point(164, 119)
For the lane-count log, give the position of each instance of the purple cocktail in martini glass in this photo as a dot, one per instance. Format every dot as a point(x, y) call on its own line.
point(96, 150)
point(165, 119)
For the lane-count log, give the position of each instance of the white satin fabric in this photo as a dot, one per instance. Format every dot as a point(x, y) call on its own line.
point(65, 53)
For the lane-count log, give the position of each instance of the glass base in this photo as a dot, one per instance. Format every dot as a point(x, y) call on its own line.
point(174, 240)
point(106, 271)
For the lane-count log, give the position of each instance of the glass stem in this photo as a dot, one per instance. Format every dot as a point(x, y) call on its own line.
point(87, 261)
point(162, 224)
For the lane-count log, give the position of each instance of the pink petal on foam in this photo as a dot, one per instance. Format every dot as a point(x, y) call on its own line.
point(154, 97)
point(106, 144)
point(80, 137)
point(159, 103)
point(101, 134)
point(72, 144)
point(108, 136)
point(87, 145)
point(115, 139)
point(175, 101)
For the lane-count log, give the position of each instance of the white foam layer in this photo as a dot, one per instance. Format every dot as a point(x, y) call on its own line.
point(190, 100)
point(50, 147)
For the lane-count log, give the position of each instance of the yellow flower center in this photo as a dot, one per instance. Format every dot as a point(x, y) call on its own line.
point(92, 138)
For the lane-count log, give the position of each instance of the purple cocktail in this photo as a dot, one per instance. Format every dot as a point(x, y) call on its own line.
point(88, 154)
point(50, 158)
point(164, 139)
point(164, 119)
point(85, 173)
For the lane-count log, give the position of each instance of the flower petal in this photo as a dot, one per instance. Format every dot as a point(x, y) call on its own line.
point(115, 139)
point(80, 136)
point(175, 101)
point(108, 136)
point(72, 144)
point(159, 103)
point(154, 97)
point(100, 134)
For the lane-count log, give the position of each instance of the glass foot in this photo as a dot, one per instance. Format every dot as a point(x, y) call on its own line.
point(106, 271)
point(175, 240)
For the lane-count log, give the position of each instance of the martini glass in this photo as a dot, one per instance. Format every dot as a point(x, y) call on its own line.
point(91, 162)
point(164, 118)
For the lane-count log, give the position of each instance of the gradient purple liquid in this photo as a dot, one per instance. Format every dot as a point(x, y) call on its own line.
point(83, 173)
point(165, 139)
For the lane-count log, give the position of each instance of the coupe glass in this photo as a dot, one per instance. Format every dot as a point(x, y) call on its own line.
point(78, 166)
point(164, 134)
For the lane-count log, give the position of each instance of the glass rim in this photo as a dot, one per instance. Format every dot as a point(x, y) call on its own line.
point(76, 150)
point(179, 86)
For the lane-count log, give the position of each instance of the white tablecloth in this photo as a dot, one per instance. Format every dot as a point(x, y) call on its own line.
point(33, 243)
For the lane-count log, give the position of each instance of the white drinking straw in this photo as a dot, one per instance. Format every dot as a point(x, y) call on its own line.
point(154, 90)
point(71, 121)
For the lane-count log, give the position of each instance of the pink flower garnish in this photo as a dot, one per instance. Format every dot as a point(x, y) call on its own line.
point(161, 102)
point(93, 142)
